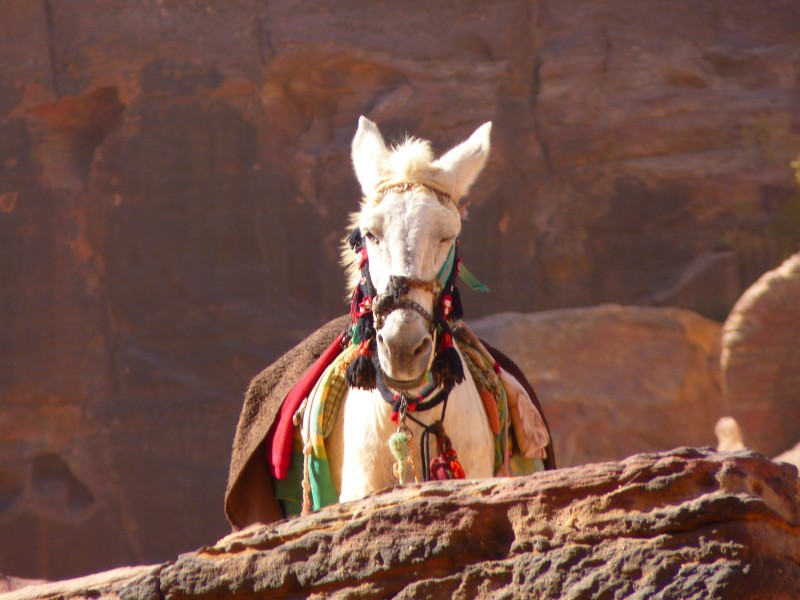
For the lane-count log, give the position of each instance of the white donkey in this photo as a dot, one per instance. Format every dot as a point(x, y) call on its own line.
point(406, 392)
point(402, 263)
point(410, 220)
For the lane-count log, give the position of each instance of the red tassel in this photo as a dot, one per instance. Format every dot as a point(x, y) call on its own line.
point(457, 470)
point(364, 306)
point(440, 469)
point(445, 464)
point(447, 341)
point(447, 306)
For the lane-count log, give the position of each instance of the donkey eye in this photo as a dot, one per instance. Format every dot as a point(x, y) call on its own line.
point(447, 240)
point(371, 237)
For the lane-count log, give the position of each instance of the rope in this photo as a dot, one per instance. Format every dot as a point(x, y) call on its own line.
point(306, 479)
point(424, 442)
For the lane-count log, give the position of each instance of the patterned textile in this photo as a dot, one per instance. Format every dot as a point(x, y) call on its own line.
point(491, 391)
point(492, 386)
point(315, 419)
point(314, 422)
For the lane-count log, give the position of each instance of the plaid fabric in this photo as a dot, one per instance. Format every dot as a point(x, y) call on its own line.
point(314, 422)
point(325, 400)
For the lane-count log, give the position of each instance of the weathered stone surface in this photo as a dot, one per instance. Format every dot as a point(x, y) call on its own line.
point(791, 456)
point(174, 179)
point(761, 360)
point(9, 584)
point(730, 439)
point(616, 380)
point(124, 582)
point(690, 523)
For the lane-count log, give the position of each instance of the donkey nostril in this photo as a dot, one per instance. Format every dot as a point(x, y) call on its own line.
point(423, 347)
point(380, 339)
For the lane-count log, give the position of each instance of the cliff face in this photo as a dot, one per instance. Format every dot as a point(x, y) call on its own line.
point(684, 524)
point(174, 179)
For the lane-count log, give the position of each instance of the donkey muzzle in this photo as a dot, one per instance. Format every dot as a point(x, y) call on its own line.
point(404, 330)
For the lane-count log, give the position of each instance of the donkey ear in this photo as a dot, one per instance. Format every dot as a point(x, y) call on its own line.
point(461, 165)
point(369, 154)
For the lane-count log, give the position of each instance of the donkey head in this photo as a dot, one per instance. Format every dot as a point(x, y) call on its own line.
point(410, 218)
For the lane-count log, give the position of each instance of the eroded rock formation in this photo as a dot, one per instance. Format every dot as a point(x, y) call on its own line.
point(618, 380)
point(683, 524)
point(761, 360)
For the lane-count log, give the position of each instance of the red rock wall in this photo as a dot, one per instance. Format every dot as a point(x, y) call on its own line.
point(174, 179)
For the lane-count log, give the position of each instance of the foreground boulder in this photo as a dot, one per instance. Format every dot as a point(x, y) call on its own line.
point(690, 523)
point(8, 584)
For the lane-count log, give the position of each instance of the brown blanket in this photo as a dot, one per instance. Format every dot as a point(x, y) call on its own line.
point(250, 497)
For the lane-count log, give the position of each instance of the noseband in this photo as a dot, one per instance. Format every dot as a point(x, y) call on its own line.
point(396, 297)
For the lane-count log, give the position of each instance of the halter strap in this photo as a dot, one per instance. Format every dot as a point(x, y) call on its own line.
point(395, 297)
point(404, 185)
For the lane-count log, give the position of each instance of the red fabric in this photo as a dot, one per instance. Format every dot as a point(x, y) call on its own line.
point(279, 439)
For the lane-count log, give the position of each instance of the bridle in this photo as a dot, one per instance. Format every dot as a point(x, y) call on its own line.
point(395, 296)
point(369, 311)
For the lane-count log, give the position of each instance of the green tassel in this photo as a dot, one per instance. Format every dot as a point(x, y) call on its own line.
point(470, 279)
point(400, 446)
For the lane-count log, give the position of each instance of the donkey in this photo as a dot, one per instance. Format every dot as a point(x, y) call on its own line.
point(401, 261)
point(399, 390)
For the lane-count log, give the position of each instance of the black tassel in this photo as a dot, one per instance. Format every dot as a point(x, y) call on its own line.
point(361, 372)
point(447, 369)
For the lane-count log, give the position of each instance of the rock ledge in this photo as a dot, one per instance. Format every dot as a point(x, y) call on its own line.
point(689, 523)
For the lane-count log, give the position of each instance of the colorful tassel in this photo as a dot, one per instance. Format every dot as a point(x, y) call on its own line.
point(445, 464)
point(400, 445)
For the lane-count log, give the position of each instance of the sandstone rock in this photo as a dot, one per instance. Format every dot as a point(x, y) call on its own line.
point(682, 524)
point(116, 583)
point(761, 360)
point(730, 439)
point(729, 435)
point(9, 584)
point(614, 380)
point(791, 456)
point(174, 179)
